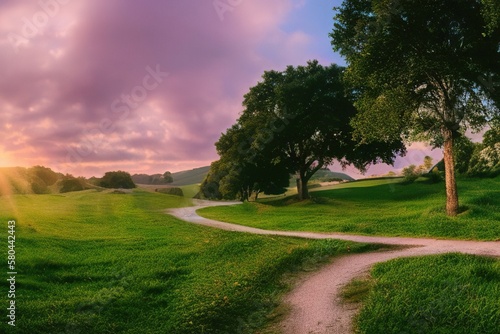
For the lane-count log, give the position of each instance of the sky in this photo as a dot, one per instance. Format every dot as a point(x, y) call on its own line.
point(145, 86)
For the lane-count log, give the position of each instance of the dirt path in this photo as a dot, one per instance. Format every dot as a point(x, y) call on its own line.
point(315, 303)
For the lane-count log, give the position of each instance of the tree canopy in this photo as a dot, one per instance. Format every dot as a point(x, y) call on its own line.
point(296, 121)
point(118, 179)
point(424, 69)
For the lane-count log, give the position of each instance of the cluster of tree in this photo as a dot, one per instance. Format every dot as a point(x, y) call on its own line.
point(117, 179)
point(426, 69)
point(69, 183)
point(294, 122)
point(157, 179)
point(41, 178)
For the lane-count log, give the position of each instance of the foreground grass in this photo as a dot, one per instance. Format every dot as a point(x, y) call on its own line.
point(95, 262)
point(379, 207)
point(443, 294)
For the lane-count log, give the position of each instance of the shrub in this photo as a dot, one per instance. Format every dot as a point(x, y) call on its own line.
point(46, 175)
point(38, 186)
point(410, 174)
point(171, 191)
point(68, 185)
point(118, 179)
point(434, 176)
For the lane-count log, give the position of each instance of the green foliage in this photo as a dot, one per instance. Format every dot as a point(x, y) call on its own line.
point(295, 122)
point(69, 184)
point(41, 178)
point(421, 70)
point(463, 149)
point(485, 159)
point(167, 177)
point(46, 175)
point(378, 207)
point(171, 191)
point(434, 176)
point(97, 263)
point(410, 174)
point(118, 179)
point(449, 293)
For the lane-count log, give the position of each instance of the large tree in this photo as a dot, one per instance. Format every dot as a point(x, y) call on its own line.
point(298, 121)
point(242, 170)
point(422, 69)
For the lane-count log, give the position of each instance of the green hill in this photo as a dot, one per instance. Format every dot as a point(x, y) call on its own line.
point(187, 177)
point(38, 180)
point(324, 175)
point(182, 178)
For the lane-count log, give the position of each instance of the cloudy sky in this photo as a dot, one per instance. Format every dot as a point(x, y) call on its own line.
point(144, 86)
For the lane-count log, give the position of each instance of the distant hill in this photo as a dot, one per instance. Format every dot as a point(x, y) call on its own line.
point(324, 175)
point(182, 178)
point(156, 179)
point(187, 177)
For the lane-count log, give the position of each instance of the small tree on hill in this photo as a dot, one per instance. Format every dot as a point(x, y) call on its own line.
point(167, 177)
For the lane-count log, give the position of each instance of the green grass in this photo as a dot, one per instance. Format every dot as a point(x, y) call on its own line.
point(442, 294)
point(96, 262)
point(190, 190)
point(378, 207)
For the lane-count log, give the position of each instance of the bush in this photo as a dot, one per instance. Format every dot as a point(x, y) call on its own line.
point(117, 179)
point(38, 186)
point(171, 191)
point(410, 174)
point(46, 175)
point(68, 185)
point(434, 176)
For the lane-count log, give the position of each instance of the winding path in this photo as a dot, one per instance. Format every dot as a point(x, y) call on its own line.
point(316, 307)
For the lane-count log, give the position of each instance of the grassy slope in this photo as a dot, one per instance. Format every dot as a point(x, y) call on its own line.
point(188, 177)
point(95, 262)
point(455, 294)
point(379, 207)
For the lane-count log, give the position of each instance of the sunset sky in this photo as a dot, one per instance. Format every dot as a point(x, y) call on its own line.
point(144, 86)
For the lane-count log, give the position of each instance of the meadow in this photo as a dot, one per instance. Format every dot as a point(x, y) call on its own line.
point(446, 294)
point(104, 262)
point(378, 207)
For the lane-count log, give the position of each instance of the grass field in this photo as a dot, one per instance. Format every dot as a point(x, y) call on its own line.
point(97, 262)
point(446, 294)
point(378, 207)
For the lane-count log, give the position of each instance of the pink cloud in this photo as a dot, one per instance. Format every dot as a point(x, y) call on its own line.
point(59, 87)
point(60, 83)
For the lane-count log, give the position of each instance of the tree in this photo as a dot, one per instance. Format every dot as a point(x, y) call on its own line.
point(118, 179)
point(242, 170)
point(427, 163)
point(485, 158)
point(167, 177)
point(422, 69)
point(295, 121)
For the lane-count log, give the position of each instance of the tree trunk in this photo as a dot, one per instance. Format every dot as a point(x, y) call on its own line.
point(302, 189)
point(449, 169)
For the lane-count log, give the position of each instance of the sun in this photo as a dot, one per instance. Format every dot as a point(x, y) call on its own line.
point(5, 159)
